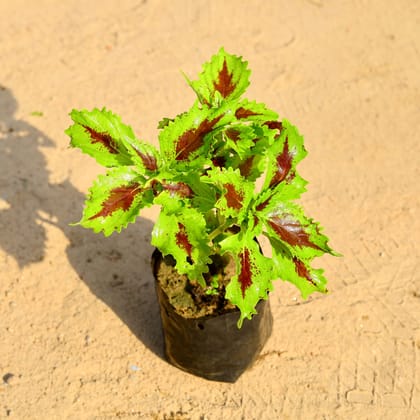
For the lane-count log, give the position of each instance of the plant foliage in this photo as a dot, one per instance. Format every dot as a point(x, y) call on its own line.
point(204, 178)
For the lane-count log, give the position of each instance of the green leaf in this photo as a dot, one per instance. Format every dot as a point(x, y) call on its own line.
point(283, 192)
point(240, 139)
point(204, 194)
point(115, 200)
point(249, 167)
point(226, 76)
point(254, 274)
point(297, 271)
point(184, 236)
point(164, 122)
point(102, 135)
point(235, 192)
point(170, 202)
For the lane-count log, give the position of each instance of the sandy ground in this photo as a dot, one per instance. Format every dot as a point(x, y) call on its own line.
point(79, 326)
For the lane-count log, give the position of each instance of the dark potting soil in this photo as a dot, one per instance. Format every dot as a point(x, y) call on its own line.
point(187, 297)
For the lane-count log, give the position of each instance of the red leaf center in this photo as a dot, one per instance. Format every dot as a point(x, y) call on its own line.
point(284, 164)
point(192, 139)
point(182, 239)
point(245, 275)
point(179, 188)
point(103, 138)
point(245, 113)
point(149, 161)
point(302, 271)
point(291, 231)
point(246, 166)
point(233, 198)
point(120, 198)
point(225, 83)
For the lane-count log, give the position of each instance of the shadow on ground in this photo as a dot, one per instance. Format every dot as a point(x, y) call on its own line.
point(116, 269)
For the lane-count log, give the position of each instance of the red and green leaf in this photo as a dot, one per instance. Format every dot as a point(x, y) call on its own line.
point(183, 236)
point(180, 189)
point(256, 112)
point(115, 200)
point(283, 192)
point(235, 192)
point(297, 271)
point(247, 152)
point(144, 155)
point(284, 154)
point(193, 139)
point(184, 139)
point(291, 231)
point(253, 278)
point(226, 76)
point(251, 166)
point(287, 223)
point(101, 134)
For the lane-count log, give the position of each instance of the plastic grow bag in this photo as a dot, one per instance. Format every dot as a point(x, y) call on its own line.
point(212, 347)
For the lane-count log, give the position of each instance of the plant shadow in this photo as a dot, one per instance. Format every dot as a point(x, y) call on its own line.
point(116, 269)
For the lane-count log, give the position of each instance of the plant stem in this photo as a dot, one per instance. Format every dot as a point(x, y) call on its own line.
point(220, 229)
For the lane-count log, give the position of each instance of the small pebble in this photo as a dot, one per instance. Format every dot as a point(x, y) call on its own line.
point(8, 378)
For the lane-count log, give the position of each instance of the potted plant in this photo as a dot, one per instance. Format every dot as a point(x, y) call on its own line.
point(224, 176)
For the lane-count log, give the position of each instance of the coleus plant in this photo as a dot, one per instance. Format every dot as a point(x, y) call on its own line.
point(224, 175)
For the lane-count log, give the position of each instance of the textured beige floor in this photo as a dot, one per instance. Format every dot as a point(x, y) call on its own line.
point(79, 328)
